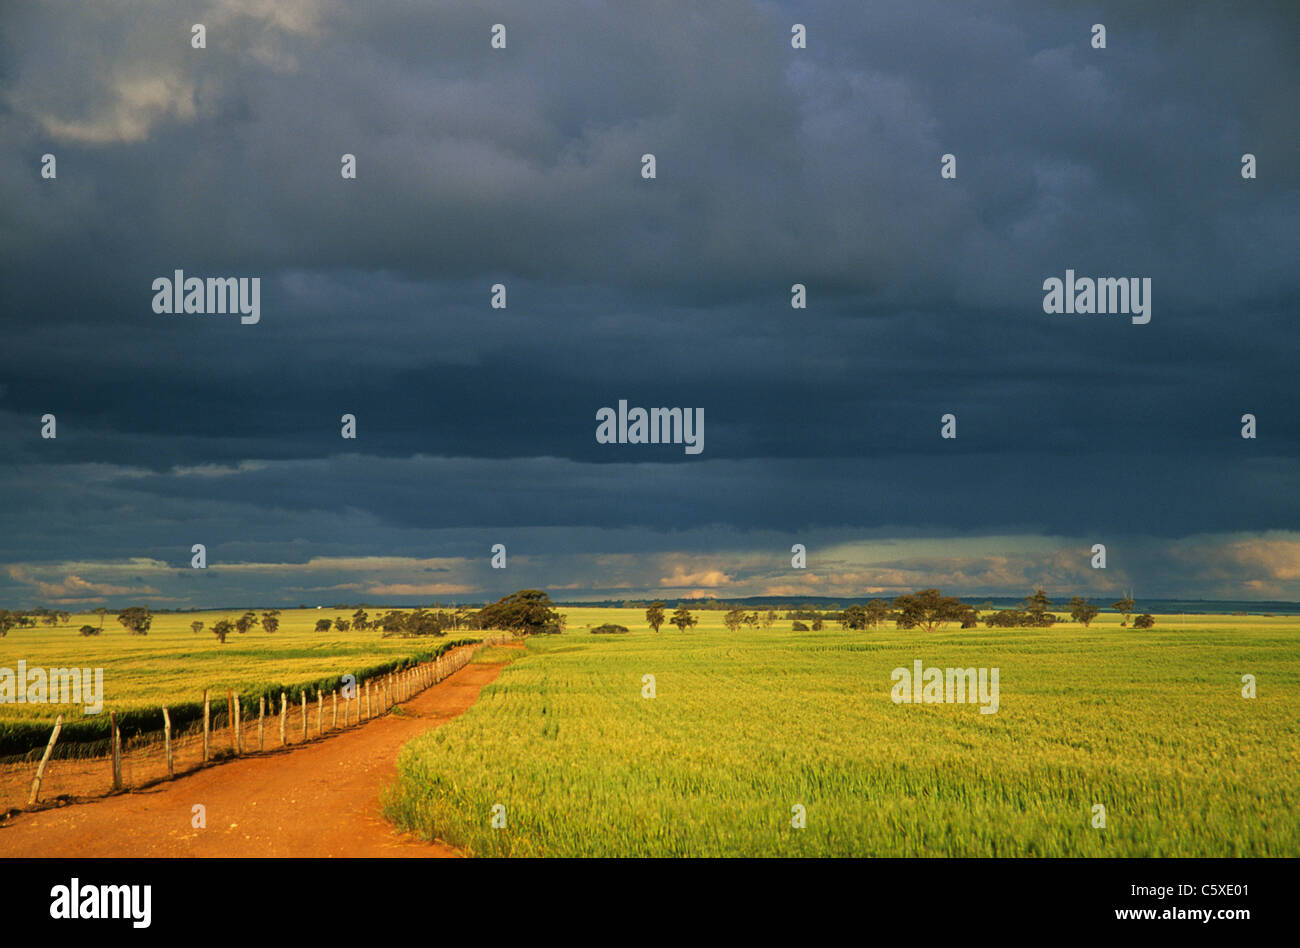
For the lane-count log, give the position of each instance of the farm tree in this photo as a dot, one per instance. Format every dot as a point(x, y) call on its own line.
point(1081, 610)
point(222, 628)
point(683, 619)
point(1036, 607)
point(524, 612)
point(136, 619)
point(928, 609)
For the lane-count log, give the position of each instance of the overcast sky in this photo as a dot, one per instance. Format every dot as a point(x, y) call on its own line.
point(522, 166)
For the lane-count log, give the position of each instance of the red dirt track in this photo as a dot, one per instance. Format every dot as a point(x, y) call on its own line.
point(318, 799)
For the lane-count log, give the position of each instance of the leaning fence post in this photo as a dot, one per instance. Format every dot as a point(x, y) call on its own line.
point(239, 714)
point(40, 771)
point(117, 751)
point(207, 723)
point(261, 714)
point(283, 712)
point(368, 714)
point(167, 742)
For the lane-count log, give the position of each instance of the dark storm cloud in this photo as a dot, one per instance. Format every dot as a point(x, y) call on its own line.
point(522, 166)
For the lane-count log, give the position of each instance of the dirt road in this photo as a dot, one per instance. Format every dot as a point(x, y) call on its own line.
point(321, 799)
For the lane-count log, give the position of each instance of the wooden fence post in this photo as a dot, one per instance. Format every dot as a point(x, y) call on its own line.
point(368, 714)
point(336, 709)
point(239, 741)
point(261, 714)
point(40, 771)
point(283, 711)
point(117, 751)
point(207, 723)
point(167, 742)
point(304, 714)
point(320, 713)
point(230, 718)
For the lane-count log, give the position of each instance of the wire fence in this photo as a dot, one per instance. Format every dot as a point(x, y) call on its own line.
point(226, 729)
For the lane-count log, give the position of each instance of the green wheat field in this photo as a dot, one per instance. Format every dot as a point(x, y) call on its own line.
point(744, 726)
point(172, 665)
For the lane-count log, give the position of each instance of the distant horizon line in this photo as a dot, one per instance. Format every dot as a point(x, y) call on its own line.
point(974, 599)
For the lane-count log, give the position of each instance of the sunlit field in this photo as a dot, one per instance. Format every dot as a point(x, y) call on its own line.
point(747, 726)
point(171, 665)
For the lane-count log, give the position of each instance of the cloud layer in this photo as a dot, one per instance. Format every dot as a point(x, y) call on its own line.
point(522, 166)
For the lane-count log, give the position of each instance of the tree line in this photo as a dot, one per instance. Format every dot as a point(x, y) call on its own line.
point(530, 611)
point(927, 609)
point(524, 612)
